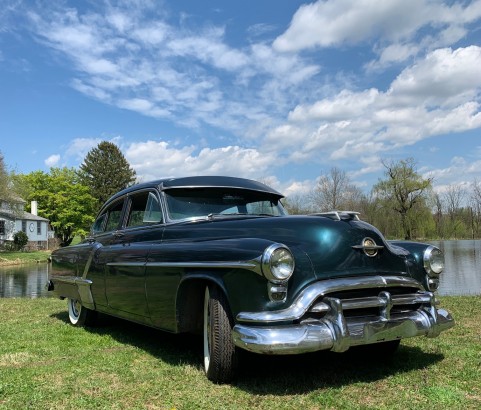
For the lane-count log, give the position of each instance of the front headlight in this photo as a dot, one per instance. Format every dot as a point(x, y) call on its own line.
point(433, 261)
point(277, 263)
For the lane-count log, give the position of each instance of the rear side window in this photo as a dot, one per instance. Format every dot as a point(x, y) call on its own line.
point(113, 216)
point(144, 209)
point(99, 224)
point(110, 219)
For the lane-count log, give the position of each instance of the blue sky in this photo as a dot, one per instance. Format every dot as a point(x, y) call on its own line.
point(280, 91)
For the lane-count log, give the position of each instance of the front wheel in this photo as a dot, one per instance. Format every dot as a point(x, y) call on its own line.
point(220, 358)
point(80, 315)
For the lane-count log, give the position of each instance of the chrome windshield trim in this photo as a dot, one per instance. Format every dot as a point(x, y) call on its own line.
point(308, 296)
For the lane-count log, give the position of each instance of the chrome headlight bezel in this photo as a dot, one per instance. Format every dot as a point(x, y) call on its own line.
point(277, 263)
point(433, 260)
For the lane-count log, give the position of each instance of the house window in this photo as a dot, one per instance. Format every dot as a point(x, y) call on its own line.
point(39, 228)
point(2, 227)
point(24, 226)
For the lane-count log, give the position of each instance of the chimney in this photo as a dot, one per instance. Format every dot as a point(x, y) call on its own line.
point(34, 208)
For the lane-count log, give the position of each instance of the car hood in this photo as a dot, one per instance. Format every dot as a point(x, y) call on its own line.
point(332, 246)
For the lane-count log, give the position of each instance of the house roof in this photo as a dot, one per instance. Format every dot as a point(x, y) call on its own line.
point(21, 215)
point(13, 197)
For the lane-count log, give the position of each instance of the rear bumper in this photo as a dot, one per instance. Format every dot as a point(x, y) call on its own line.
point(333, 330)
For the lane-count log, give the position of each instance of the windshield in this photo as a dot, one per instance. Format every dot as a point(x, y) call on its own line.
point(203, 202)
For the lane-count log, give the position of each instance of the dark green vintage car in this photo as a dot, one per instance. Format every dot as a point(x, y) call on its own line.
point(219, 256)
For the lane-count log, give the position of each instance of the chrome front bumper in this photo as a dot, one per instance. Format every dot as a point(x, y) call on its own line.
point(326, 327)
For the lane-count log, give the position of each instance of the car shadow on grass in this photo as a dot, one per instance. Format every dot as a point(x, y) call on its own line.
point(298, 374)
point(264, 374)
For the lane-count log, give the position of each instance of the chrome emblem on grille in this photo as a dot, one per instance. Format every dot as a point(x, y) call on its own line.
point(369, 247)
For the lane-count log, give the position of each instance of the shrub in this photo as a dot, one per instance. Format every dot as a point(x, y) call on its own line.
point(20, 239)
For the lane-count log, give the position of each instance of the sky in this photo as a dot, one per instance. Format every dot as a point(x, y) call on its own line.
point(274, 90)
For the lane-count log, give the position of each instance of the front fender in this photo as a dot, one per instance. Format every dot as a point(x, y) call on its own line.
point(415, 259)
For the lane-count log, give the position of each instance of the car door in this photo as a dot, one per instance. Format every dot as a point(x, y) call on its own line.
point(103, 237)
point(126, 256)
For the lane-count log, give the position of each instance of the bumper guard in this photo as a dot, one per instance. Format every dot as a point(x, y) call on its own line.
point(334, 330)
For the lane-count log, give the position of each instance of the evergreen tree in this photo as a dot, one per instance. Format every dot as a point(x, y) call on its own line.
point(106, 171)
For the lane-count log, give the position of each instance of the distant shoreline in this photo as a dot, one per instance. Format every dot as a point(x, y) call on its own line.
point(22, 258)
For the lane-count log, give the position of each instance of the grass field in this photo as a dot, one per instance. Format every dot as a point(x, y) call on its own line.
point(16, 258)
point(47, 364)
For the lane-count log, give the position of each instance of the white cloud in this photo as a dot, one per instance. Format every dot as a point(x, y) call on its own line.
point(301, 188)
point(345, 105)
point(132, 58)
point(272, 96)
point(460, 171)
point(52, 160)
point(260, 29)
point(78, 148)
point(143, 106)
point(393, 54)
point(337, 22)
point(445, 76)
point(397, 30)
point(438, 95)
point(158, 159)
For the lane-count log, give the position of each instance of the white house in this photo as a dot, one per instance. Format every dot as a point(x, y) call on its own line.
point(13, 218)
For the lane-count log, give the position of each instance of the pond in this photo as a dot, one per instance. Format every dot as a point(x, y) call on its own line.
point(462, 275)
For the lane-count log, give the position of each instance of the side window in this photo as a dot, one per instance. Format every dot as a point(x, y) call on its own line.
point(113, 216)
point(144, 210)
point(99, 224)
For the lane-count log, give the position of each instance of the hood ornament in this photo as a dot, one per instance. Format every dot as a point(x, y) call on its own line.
point(369, 247)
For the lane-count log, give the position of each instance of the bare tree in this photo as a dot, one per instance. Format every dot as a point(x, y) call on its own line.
point(334, 191)
point(475, 201)
point(297, 204)
point(438, 210)
point(453, 198)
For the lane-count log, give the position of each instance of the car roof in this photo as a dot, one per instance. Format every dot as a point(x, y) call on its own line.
point(200, 182)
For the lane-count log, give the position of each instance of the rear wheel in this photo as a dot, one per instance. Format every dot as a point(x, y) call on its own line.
point(220, 358)
point(80, 315)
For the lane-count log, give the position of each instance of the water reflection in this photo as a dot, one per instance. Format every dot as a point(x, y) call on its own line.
point(24, 280)
point(462, 275)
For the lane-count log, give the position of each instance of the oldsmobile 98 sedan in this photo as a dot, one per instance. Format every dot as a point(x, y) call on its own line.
point(219, 256)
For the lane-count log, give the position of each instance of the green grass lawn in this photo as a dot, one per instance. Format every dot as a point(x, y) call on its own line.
point(13, 258)
point(47, 364)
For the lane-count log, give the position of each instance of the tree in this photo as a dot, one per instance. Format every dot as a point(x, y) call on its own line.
point(437, 207)
point(403, 190)
point(334, 191)
point(62, 199)
point(475, 201)
point(296, 204)
point(106, 171)
point(453, 198)
point(4, 181)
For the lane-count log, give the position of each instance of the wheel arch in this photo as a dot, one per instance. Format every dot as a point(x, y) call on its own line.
point(190, 301)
